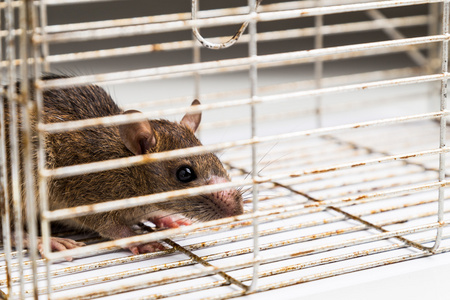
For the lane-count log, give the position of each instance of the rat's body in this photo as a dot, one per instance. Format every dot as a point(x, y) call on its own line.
point(104, 143)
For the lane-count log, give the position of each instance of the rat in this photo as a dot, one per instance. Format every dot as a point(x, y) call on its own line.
point(111, 142)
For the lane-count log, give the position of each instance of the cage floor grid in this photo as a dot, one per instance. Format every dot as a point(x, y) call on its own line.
point(318, 225)
point(344, 200)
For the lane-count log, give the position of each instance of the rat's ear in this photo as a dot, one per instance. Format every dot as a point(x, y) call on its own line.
point(138, 137)
point(192, 120)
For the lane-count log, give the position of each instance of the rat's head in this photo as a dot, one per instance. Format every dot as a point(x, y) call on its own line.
point(193, 171)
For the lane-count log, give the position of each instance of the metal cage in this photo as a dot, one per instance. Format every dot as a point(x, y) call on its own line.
point(330, 114)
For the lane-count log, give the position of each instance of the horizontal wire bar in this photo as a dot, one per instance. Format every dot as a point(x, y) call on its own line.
point(16, 4)
point(220, 228)
point(124, 76)
point(118, 205)
point(236, 68)
point(122, 119)
point(177, 16)
point(296, 85)
point(214, 12)
point(171, 195)
point(219, 21)
point(171, 232)
point(367, 252)
point(262, 36)
point(397, 22)
point(122, 275)
point(57, 127)
point(328, 274)
point(282, 270)
point(182, 16)
point(295, 213)
point(211, 257)
point(406, 178)
point(201, 231)
point(141, 284)
point(185, 152)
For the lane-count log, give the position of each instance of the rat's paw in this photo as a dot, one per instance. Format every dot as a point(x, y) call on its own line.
point(146, 248)
point(172, 221)
point(60, 244)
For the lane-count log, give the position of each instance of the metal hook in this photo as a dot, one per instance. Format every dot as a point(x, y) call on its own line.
point(215, 46)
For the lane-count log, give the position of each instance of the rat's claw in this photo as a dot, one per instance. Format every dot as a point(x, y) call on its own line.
point(183, 222)
point(134, 250)
point(174, 221)
point(60, 244)
point(146, 248)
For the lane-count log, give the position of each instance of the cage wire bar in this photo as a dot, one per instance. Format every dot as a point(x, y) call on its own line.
point(253, 73)
point(27, 109)
point(443, 122)
point(15, 189)
point(25, 275)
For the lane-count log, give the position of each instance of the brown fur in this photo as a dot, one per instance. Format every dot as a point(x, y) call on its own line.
point(104, 143)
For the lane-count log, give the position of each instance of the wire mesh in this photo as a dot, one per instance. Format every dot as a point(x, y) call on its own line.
point(330, 115)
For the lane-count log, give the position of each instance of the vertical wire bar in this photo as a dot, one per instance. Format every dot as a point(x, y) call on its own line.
point(5, 221)
point(2, 58)
point(433, 53)
point(443, 106)
point(27, 109)
point(40, 148)
point(24, 128)
point(14, 146)
point(43, 188)
point(196, 59)
point(253, 72)
point(43, 31)
point(41, 158)
point(43, 194)
point(318, 65)
point(5, 210)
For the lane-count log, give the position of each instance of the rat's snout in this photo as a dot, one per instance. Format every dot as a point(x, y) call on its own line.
point(228, 202)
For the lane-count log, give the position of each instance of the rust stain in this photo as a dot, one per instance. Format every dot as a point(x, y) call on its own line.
point(358, 165)
point(361, 197)
point(324, 170)
point(302, 253)
point(8, 279)
point(157, 47)
point(313, 204)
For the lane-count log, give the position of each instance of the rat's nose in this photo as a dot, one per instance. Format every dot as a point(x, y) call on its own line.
point(229, 200)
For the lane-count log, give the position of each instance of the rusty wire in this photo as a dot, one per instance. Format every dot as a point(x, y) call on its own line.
point(224, 45)
point(381, 201)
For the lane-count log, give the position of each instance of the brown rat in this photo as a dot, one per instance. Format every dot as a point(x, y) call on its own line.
point(104, 143)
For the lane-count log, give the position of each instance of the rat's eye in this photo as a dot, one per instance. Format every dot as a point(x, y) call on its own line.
point(186, 174)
